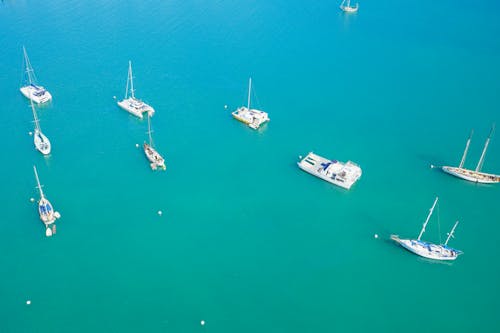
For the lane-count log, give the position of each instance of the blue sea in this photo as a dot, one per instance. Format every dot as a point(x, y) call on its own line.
point(248, 242)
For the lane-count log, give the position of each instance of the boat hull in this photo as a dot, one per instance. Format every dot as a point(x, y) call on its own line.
point(46, 211)
point(36, 93)
point(428, 250)
point(472, 176)
point(251, 117)
point(157, 161)
point(136, 107)
point(42, 143)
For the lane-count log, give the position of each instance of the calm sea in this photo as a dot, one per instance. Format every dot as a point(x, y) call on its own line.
point(247, 242)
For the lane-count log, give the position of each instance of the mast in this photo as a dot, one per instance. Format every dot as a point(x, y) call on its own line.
point(131, 79)
point(29, 69)
point(450, 234)
point(466, 150)
point(38, 182)
point(249, 90)
point(428, 217)
point(481, 160)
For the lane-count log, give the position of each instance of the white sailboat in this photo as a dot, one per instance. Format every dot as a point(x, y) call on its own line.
point(42, 143)
point(252, 117)
point(426, 249)
point(45, 209)
point(346, 6)
point(476, 175)
point(157, 161)
point(132, 104)
point(31, 89)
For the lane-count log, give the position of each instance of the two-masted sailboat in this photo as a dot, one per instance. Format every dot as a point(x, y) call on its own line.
point(45, 209)
point(42, 143)
point(157, 161)
point(31, 89)
point(252, 117)
point(426, 249)
point(346, 6)
point(476, 175)
point(132, 104)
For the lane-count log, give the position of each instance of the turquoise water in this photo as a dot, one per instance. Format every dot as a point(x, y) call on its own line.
point(247, 242)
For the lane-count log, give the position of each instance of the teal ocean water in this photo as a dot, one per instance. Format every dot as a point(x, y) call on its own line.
point(248, 242)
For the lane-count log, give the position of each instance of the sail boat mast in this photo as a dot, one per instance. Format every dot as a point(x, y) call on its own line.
point(38, 182)
point(131, 79)
point(428, 217)
point(249, 92)
point(481, 160)
point(29, 69)
point(451, 233)
point(466, 150)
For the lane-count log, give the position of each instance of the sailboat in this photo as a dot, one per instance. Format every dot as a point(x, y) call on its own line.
point(153, 156)
point(31, 89)
point(45, 209)
point(252, 117)
point(476, 175)
point(346, 6)
point(42, 143)
point(426, 249)
point(132, 104)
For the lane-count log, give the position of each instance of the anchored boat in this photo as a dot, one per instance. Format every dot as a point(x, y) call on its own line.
point(31, 89)
point(45, 209)
point(333, 171)
point(346, 6)
point(42, 143)
point(252, 117)
point(476, 175)
point(426, 249)
point(157, 161)
point(132, 104)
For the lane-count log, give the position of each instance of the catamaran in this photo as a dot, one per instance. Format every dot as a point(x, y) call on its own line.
point(426, 249)
point(31, 89)
point(157, 161)
point(252, 117)
point(346, 6)
point(132, 104)
point(42, 143)
point(45, 209)
point(333, 171)
point(474, 175)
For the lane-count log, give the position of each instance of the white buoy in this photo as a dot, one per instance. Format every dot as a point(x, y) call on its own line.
point(225, 106)
point(136, 145)
point(28, 302)
point(300, 157)
point(376, 236)
point(160, 212)
point(30, 133)
point(202, 323)
point(32, 199)
point(114, 97)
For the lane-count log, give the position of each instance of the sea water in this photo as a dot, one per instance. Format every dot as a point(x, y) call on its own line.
point(247, 242)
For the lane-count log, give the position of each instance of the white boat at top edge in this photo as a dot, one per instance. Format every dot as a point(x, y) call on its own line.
point(42, 143)
point(333, 171)
point(430, 250)
point(45, 209)
point(157, 161)
point(132, 104)
point(476, 175)
point(252, 117)
point(31, 89)
point(346, 6)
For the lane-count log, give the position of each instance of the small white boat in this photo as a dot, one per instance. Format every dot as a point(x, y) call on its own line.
point(157, 161)
point(252, 117)
point(45, 209)
point(132, 104)
point(476, 175)
point(346, 6)
point(42, 143)
point(333, 171)
point(426, 249)
point(31, 89)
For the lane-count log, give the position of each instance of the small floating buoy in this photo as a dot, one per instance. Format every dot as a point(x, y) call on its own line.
point(136, 145)
point(114, 97)
point(30, 133)
point(160, 213)
point(376, 236)
point(202, 323)
point(57, 215)
point(300, 157)
point(28, 302)
point(225, 106)
point(32, 199)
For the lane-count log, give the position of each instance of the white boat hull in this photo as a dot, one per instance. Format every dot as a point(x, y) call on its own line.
point(37, 94)
point(472, 176)
point(251, 117)
point(348, 9)
point(157, 161)
point(428, 250)
point(42, 143)
point(335, 172)
point(46, 211)
point(136, 107)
